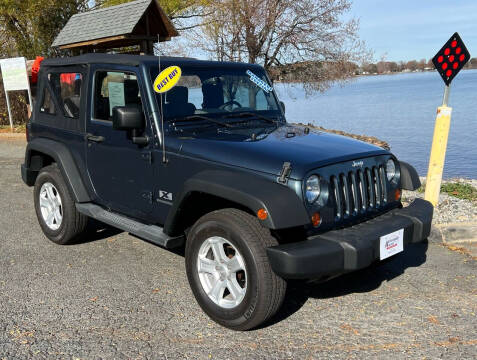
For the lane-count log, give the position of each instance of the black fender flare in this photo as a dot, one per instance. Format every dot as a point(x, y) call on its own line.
point(63, 158)
point(285, 209)
point(409, 177)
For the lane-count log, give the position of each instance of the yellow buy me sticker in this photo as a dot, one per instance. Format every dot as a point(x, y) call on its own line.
point(167, 79)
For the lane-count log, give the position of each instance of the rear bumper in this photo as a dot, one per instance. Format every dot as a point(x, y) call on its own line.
point(349, 249)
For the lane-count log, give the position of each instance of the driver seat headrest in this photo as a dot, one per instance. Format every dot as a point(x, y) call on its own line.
point(213, 95)
point(177, 102)
point(178, 95)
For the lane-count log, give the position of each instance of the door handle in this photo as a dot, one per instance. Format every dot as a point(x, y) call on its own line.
point(95, 138)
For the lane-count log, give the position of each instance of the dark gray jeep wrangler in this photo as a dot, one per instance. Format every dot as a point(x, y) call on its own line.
point(198, 153)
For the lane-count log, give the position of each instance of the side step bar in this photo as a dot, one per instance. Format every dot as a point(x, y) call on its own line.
point(152, 233)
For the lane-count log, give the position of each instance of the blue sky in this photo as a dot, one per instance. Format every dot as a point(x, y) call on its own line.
point(407, 30)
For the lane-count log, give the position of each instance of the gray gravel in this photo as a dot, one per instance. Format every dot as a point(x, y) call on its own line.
point(449, 209)
point(115, 296)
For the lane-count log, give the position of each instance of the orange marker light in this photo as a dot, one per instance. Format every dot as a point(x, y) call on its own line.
point(316, 219)
point(397, 194)
point(262, 214)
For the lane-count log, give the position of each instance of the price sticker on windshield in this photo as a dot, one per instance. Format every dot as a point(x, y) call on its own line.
point(259, 82)
point(167, 79)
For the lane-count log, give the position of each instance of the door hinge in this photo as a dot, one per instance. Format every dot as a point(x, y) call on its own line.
point(147, 156)
point(147, 196)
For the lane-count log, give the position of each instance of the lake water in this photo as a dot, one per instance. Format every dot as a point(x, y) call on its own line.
point(399, 109)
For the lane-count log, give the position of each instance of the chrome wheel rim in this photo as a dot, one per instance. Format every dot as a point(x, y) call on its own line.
point(222, 272)
point(51, 206)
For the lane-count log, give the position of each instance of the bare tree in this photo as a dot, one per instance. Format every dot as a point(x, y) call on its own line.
point(412, 65)
point(287, 34)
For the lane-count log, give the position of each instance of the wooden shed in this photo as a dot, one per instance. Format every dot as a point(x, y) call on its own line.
point(134, 23)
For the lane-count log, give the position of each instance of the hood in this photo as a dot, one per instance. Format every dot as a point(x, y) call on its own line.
point(304, 151)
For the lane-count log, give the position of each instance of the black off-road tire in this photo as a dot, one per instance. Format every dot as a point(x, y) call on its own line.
point(265, 290)
point(73, 223)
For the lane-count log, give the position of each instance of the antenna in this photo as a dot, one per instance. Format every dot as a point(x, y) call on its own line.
point(163, 140)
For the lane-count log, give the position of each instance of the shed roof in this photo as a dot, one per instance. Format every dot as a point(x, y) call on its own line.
point(112, 22)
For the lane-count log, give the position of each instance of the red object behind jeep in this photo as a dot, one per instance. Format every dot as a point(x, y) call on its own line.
point(35, 69)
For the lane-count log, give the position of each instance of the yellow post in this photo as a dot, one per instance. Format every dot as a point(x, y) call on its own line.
point(438, 154)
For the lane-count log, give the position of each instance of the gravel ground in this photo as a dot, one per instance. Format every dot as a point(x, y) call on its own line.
point(449, 209)
point(115, 296)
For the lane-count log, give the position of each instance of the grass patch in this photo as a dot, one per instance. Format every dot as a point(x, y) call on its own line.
point(458, 190)
point(461, 191)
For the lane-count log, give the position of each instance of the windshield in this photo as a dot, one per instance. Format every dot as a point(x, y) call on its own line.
point(219, 93)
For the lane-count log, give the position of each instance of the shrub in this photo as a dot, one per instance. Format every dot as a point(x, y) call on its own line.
point(18, 103)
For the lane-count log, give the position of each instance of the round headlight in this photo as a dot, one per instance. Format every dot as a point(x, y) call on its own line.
point(390, 169)
point(312, 188)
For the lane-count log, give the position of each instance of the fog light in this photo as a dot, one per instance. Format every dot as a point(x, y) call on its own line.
point(262, 214)
point(316, 219)
point(397, 194)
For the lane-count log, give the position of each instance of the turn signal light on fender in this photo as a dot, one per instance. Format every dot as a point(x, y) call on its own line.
point(316, 219)
point(397, 194)
point(262, 214)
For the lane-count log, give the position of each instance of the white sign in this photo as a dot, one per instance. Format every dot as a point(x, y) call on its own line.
point(391, 244)
point(14, 74)
point(116, 95)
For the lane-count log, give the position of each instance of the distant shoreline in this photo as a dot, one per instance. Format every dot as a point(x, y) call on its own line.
point(374, 74)
point(403, 72)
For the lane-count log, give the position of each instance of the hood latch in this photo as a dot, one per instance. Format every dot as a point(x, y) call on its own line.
point(285, 173)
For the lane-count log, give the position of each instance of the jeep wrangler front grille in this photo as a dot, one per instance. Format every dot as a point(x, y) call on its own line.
point(358, 191)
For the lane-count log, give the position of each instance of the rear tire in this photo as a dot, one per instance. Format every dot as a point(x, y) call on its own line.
point(55, 208)
point(248, 291)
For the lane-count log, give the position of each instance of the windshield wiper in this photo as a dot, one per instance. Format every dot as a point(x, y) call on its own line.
point(250, 115)
point(199, 117)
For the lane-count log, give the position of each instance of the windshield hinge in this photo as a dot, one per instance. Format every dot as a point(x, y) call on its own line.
point(285, 173)
point(147, 156)
point(147, 196)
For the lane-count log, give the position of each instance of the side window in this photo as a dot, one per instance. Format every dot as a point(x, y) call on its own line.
point(48, 106)
point(113, 89)
point(67, 89)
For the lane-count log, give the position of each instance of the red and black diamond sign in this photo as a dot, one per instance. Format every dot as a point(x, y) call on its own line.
point(451, 58)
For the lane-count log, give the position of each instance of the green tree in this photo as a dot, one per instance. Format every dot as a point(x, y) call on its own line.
point(171, 7)
point(177, 10)
point(27, 28)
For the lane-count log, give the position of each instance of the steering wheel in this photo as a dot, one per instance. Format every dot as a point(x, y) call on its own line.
point(230, 103)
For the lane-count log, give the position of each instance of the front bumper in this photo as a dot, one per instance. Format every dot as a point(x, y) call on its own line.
point(349, 249)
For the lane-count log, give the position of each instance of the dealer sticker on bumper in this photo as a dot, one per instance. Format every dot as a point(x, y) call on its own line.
point(391, 244)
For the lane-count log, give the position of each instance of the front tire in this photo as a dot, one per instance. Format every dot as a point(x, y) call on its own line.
point(55, 209)
point(228, 269)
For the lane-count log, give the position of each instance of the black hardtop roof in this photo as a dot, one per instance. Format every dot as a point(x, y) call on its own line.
point(135, 60)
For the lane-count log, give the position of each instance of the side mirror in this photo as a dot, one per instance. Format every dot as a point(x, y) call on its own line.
point(131, 119)
point(282, 104)
point(128, 118)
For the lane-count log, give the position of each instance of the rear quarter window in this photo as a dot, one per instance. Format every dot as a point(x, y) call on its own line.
point(67, 90)
point(47, 105)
